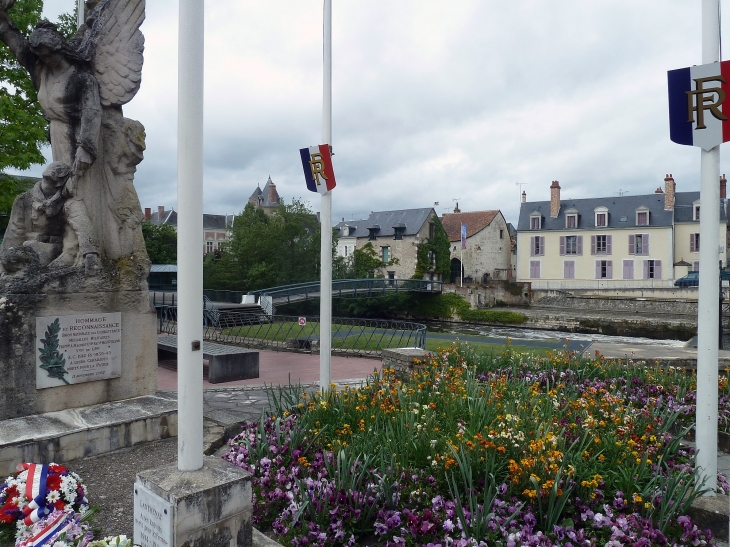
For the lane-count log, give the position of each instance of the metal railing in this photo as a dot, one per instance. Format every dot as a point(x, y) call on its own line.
point(350, 288)
point(367, 337)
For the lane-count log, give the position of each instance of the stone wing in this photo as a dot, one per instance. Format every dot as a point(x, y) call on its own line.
point(114, 44)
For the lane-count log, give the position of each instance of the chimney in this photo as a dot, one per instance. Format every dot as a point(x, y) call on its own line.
point(669, 186)
point(723, 187)
point(555, 199)
point(658, 191)
point(160, 212)
point(524, 196)
point(456, 209)
point(147, 213)
point(272, 193)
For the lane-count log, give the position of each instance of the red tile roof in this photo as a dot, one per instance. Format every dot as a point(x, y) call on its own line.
point(475, 221)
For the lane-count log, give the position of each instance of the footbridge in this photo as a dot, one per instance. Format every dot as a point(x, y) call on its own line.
point(345, 288)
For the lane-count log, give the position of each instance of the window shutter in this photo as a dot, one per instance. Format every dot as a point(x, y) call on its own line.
point(579, 245)
point(646, 269)
point(566, 269)
point(645, 240)
point(609, 269)
point(691, 243)
point(632, 244)
point(542, 246)
point(628, 269)
point(598, 269)
point(696, 265)
point(593, 245)
point(532, 250)
point(562, 245)
point(657, 269)
point(608, 244)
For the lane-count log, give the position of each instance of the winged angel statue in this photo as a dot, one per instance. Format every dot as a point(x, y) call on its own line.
point(85, 212)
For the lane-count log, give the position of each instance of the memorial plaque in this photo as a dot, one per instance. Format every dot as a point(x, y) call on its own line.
point(152, 519)
point(71, 349)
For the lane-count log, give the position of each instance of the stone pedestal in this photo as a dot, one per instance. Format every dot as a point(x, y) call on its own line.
point(211, 507)
point(19, 349)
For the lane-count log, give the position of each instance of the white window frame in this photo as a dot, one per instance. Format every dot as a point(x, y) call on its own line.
point(641, 211)
point(597, 212)
point(605, 266)
point(696, 211)
point(694, 243)
point(571, 214)
point(533, 218)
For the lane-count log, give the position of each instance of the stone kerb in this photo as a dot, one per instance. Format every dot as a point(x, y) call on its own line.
point(403, 360)
point(19, 350)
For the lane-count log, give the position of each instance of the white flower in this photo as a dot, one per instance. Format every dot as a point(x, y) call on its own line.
point(53, 496)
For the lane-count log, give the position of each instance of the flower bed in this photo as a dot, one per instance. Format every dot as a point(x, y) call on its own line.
point(475, 450)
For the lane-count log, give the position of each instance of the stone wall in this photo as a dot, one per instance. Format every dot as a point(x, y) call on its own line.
point(555, 299)
point(494, 293)
point(402, 360)
point(485, 251)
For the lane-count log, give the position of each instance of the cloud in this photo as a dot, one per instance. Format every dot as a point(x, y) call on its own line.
point(432, 101)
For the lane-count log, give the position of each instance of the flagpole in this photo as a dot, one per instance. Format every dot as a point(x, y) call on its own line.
point(80, 13)
point(190, 237)
point(325, 303)
point(707, 312)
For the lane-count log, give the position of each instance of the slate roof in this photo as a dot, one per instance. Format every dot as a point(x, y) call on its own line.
point(475, 222)
point(621, 211)
point(412, 220)
point(210, 222)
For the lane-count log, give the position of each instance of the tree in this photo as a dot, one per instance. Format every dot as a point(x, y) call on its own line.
point(22, 126)
point(432, 254)
point(267, 251)
point(366, 262)
point(10, 187)
point(161, 242)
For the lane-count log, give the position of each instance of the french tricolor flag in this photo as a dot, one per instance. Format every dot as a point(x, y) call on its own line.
point(697, 98)
point(317, 164)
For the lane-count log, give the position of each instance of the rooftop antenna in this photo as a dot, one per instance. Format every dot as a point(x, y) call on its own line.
point(622, 192)
point(521, 184)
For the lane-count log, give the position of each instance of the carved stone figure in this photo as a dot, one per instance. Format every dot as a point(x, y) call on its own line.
point(82, 84)
point(47, 227)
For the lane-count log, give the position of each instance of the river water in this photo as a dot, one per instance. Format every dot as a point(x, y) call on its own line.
point(544, 335)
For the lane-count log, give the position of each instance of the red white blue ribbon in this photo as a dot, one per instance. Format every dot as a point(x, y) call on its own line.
point(55, 527)
point(35, 491)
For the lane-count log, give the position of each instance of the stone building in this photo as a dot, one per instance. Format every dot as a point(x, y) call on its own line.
point(267, 199)
point(612, 242)
point(393, 234)
point(488, 252)
point(216, 228)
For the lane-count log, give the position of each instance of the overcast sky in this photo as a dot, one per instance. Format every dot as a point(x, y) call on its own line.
point(433, 101)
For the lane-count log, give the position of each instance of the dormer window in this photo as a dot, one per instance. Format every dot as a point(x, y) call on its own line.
point(373, 232)
point(399, 231)
point(642, 216)
point(535, 221)
point(601, 218)
point(696, 211)
point(571, 218)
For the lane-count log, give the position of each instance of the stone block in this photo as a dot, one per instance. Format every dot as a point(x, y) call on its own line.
point(212, 507)
point(18, 312)
point(403, 360)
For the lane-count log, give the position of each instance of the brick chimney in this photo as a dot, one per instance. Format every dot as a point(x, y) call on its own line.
point(554, 199)
point(658, 191)
point(723, 187)
point(669, 187)
point(160, 212)
point(524, 196)
point(147, 213)
point(456, 209)
point(272, 193)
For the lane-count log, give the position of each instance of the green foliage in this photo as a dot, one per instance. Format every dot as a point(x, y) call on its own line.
point(267, 250)
point(52, 361)
point(10, 187)
point(161, 242)
point(22, 127)
point(438, 247)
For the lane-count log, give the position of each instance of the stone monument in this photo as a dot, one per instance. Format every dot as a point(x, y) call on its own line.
point(76, 325)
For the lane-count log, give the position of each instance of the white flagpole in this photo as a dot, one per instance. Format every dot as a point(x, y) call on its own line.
point(190, 237)
point(325, 303)
point(708, 312)
point(80, 13)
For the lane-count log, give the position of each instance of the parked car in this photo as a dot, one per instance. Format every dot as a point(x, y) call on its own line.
point(692, 279)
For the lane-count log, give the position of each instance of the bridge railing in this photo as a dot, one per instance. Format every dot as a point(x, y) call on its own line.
point(365, 337)
point(351, 288)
